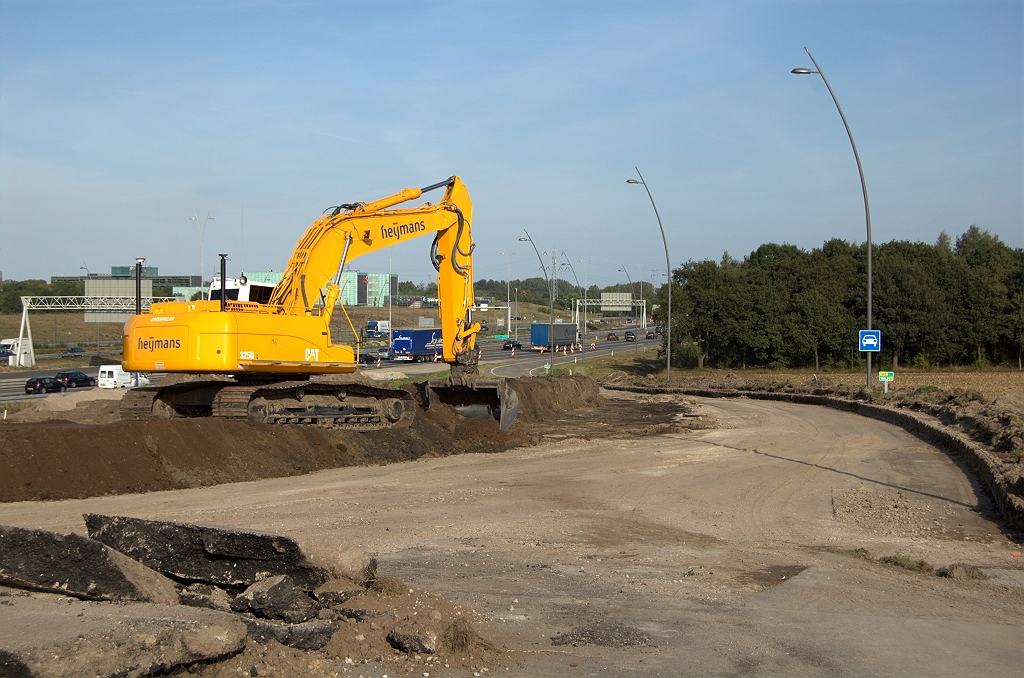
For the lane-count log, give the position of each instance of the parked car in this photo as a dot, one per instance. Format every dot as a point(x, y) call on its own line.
point(511, 344)
point(630, 335)
point(651, 334)
point(6, 353)
point(74, 379)
point(612, 337)
point(72, 352)
point(43, 385)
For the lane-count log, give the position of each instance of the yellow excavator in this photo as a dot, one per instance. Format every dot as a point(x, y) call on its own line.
point(276, 362)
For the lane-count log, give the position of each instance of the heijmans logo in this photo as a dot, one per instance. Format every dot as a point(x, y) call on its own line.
point(397, 231)
point(152, 344)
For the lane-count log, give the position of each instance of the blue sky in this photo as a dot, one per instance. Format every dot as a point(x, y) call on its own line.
point(119, 120)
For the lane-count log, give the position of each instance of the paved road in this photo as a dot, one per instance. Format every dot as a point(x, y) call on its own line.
point(732, 549)
point(524, 363)
point(13, 388)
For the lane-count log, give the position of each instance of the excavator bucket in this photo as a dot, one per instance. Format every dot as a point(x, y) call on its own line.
point(485, 399)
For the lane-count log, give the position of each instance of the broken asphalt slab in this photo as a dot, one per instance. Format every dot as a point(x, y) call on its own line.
point(207, 554)
point(73, 565)
point(276, 598)
point(51, 635)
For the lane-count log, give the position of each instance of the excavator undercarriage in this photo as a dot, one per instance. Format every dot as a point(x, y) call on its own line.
point(328, 403)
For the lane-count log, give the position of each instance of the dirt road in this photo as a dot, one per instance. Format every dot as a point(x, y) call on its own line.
point(717, 552)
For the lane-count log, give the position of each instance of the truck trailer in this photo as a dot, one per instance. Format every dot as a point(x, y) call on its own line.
point(561, 334)
point(416, 345)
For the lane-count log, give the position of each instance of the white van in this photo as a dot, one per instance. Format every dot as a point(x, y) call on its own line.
point(112, 376)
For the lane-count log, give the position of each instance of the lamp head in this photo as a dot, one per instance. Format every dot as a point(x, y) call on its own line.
point(633, 181)
point(140, 259)
point(524, 240)
point(802, 71)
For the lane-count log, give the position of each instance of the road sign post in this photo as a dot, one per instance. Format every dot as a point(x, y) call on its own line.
point(885, 378)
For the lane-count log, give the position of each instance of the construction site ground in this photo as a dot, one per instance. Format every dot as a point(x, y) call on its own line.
point(605, 534)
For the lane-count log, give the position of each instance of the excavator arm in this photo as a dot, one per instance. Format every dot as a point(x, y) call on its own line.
point(309, 285)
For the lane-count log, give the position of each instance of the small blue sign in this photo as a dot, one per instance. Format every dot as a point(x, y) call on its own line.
point(871, 341)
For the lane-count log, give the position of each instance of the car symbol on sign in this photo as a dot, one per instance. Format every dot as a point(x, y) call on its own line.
point(870, 340)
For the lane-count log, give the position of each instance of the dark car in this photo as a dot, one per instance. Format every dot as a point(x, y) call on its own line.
point(651, 334)
point(6, 353)
point(369, 358)
point(74, 379)
point(43, 385)
point(630, 335)
point(612, 337)
point(72, 352)
point(511, 344)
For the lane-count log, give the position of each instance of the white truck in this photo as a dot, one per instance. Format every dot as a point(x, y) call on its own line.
point(378, 329)
point(112, 376)
point(20, 352)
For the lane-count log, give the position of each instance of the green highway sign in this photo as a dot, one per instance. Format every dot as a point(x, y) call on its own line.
point(886, 376)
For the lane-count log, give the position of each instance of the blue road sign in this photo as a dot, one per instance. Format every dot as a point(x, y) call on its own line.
point(871, 341)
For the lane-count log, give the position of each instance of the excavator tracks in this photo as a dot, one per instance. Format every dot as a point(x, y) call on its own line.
point(327, 404)
point(137, 403)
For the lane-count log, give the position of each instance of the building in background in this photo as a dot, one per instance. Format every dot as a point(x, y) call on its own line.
point(357, 288)
point(150, 273)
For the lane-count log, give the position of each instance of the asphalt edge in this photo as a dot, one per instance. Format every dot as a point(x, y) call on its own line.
point(957, 445)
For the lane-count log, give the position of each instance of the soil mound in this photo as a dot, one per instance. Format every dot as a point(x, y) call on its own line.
point(75, 446)
point(541, 398)
point(95, 406)
point(70, 456)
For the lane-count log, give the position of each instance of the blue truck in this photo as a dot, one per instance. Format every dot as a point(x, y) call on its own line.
point(562, 334)
point(416, 345)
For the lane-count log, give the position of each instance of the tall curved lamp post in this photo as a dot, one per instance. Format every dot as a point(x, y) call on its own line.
point(632, 287)
point(568, 263)
point(202, 254)
point(551, 294)
point(668, 267)
point(863, 185)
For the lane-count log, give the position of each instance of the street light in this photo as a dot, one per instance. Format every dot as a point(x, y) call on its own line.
point(578, 287)
point(863, 185)
point(508, 288)
point(668, 267)
point(202, 238)
point(632, 289)
point(586, 291)
point(551, 295)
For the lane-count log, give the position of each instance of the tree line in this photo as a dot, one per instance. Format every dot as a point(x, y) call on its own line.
point(951, 303)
